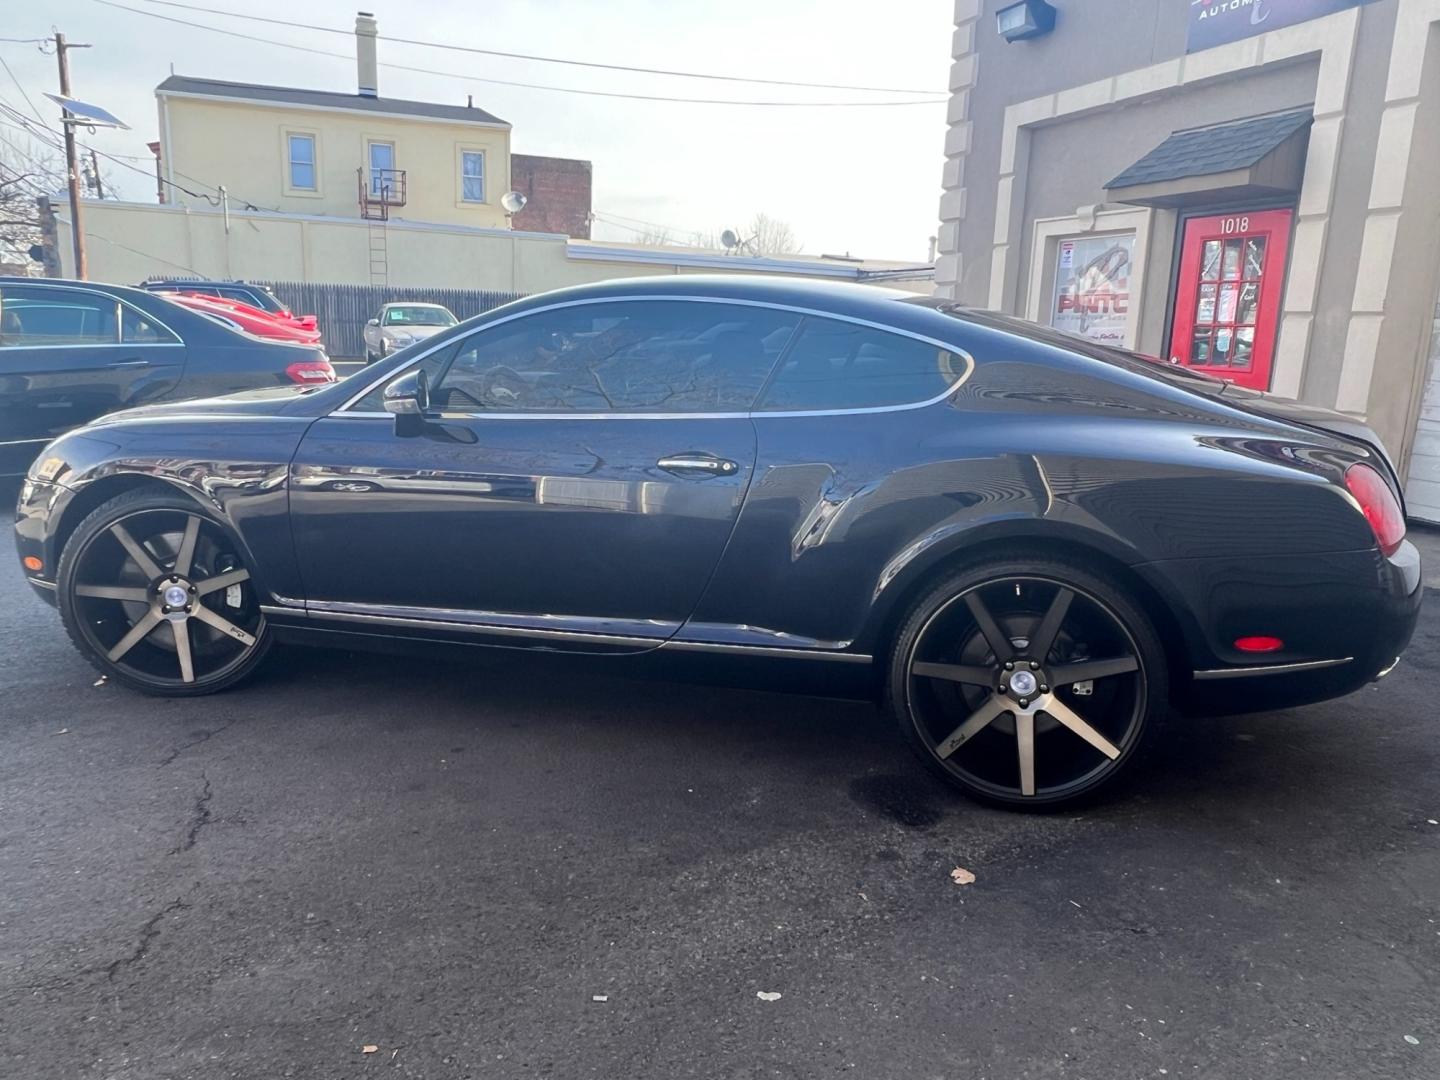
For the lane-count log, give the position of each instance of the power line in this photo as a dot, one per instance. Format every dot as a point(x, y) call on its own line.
point(23, 94)
point(549, 59)
point(25, 40)
point(466, 77)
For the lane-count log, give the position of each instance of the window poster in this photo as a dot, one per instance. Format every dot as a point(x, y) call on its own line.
point(1092, 287)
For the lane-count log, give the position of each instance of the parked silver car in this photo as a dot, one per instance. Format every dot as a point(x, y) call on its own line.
point(402, 324)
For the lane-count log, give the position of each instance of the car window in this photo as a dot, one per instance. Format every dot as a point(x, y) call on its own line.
point(374, 400)
point(32, 317)
point(137, 328)
point(840, 365)
point(641, 356)
point(418, 315)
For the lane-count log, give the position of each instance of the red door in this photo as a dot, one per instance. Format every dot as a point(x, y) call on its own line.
point(1227, 304)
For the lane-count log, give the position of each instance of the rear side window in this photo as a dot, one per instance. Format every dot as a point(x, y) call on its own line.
point(36, 317)
point(633, 356)
point(137, 328)
point(839, 365)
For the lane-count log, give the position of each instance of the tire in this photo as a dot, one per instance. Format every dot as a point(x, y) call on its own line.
point(1090, 709)
point(122, 567)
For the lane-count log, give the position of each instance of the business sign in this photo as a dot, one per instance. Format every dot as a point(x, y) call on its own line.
point(1092, 287)
point(1214, 22)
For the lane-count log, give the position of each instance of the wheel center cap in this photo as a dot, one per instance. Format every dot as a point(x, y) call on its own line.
point(175, 595)
point(1023, 683)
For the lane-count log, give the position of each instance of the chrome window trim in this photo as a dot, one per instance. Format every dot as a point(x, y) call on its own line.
point(1268, 669)
point(651, 298)
point(178, 343)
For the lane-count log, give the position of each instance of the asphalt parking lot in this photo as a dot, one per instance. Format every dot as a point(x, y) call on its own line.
point(485, 871)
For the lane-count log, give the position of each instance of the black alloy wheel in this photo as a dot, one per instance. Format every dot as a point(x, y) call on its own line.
point(157, 594)
point(1030, 684)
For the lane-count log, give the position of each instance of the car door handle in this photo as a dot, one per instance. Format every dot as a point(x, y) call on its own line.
point(129, 363)
point(692, 464)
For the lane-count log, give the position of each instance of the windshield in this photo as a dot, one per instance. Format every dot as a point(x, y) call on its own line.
point(418, 315)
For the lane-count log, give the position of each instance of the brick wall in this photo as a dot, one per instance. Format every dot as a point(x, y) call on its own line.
point(558, 190)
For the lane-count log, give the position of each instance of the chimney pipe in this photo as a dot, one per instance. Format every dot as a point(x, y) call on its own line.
point(365, 33)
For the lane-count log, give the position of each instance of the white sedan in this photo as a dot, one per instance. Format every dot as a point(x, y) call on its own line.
point(402, 324)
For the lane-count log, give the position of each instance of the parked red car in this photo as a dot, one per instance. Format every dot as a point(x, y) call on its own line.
point(250, 319)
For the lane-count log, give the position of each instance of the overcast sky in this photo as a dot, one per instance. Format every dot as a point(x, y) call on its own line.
point(862, 180)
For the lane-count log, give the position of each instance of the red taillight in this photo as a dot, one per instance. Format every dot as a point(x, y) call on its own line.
point(1378, 503)
point(1259, 643)
point(311, 371)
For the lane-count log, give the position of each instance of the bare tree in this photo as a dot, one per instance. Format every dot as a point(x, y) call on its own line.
point(771, 236)
point(655, 236)
point(26, 173)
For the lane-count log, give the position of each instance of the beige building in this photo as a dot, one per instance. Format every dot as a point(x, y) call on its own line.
point(1246, 187)
point(320, 152)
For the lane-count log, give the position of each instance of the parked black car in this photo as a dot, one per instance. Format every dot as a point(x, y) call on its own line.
point(1031, 546)
point(72, 351)
point(247, 292)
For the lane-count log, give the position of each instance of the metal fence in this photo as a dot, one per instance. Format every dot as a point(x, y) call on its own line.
point(342, 310)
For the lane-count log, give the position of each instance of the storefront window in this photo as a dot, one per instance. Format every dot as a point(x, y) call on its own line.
point(1092, 287)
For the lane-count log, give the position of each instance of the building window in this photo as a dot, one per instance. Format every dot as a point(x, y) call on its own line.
point(472, 176)
point(382, 168)
point(1092, 287)
point(302, 162)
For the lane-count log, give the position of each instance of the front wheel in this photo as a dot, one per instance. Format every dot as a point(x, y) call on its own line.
point(1030, 684)
point(157, 594)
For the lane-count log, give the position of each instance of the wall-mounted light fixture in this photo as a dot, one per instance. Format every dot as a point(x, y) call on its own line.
point(1027, 19)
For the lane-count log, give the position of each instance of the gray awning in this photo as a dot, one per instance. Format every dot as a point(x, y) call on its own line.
point(1260, 156)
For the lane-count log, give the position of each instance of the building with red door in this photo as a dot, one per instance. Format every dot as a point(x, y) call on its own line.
point(1250, 188)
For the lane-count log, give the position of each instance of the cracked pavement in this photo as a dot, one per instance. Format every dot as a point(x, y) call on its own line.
point(451, 862)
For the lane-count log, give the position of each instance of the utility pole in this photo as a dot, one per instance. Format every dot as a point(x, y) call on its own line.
point(100, 184)
point(72, 165)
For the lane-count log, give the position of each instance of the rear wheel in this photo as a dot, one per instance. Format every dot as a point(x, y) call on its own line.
point(156, 593)
point(1032, 684)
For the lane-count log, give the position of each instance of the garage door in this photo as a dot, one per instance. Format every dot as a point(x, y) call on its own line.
point(1422, 493)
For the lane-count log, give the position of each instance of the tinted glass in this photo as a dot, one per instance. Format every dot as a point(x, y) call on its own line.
point(31, 317)
point(644, 356)
point(838, 365)
point(137, 328)
point(374, 401)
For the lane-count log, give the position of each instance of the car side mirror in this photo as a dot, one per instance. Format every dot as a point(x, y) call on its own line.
point(407, 398)
point(373, 322)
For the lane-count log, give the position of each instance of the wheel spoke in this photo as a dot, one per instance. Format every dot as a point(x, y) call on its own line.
point(148, 566)
point(224, 625)
point(994, 706)
point(994, 637)
point(181, 627)
point(1043, 639)
point(961, 673)
point(1025, 738)
point(186, 554)
point(147, 623)
point(1065, 674)
point(221, 581)
point(1072, 720)
point(114, 592)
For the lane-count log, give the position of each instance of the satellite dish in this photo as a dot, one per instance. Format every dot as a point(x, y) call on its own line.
point(513, 202)
point(87, 114)
point(729, 239)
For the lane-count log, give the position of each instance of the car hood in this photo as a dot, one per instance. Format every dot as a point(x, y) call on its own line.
point(419, 333)
point(269, 401)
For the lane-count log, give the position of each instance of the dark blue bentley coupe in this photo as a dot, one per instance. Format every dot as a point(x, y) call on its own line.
point(1035, 550)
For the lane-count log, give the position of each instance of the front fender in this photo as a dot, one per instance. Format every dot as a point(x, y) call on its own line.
point(238, 471)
